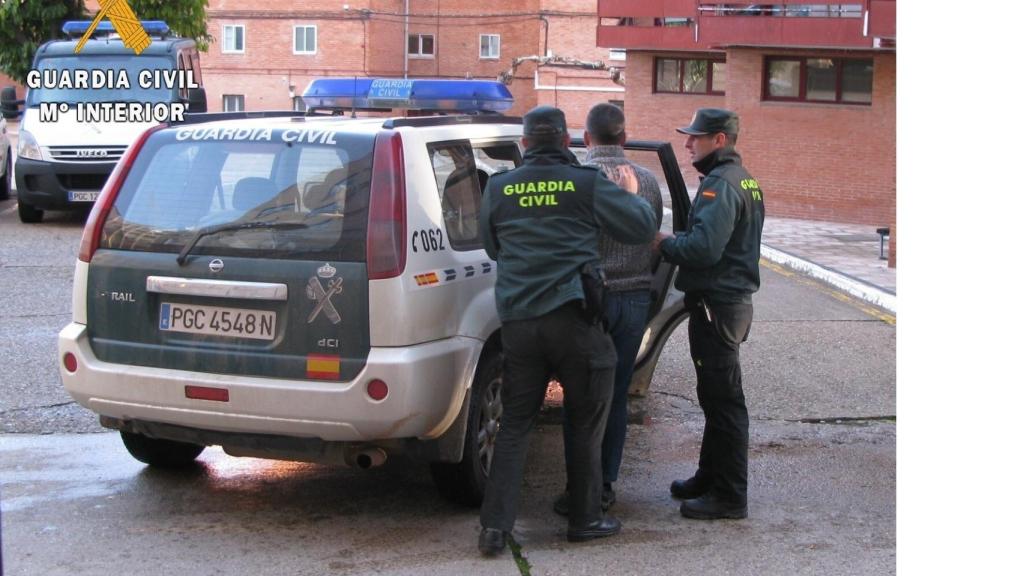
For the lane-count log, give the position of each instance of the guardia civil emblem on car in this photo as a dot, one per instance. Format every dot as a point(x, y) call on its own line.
point(322, 296)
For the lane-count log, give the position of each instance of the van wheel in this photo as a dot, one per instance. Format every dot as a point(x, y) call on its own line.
point(28, 213)
point(160, 453)
point(5, 186)
point(464, 482)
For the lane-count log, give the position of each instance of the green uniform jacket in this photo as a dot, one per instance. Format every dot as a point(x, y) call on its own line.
point(718, 254)
point(541, 223)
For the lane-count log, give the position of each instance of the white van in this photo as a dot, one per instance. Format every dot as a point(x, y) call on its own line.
point(63, 164)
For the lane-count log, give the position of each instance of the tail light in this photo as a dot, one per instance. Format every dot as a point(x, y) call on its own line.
point(98, 216)
point(385, 234)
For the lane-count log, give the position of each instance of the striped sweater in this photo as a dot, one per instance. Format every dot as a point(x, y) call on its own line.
point(628, 267)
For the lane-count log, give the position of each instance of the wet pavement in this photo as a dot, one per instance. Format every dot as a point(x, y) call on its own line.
point(819, 376)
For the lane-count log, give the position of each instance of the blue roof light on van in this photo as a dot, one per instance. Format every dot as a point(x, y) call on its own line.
point(75, 28)
point(418, 94)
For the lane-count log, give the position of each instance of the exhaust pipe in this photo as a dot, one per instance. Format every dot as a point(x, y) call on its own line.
point(370, 458)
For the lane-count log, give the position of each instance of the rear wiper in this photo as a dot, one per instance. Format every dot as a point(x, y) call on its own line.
point(218, 228)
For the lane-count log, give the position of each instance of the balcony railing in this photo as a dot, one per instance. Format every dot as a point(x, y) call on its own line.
point(697, 24)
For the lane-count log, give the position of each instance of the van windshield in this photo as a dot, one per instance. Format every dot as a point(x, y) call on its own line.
point(306, 188)
point(132, 65)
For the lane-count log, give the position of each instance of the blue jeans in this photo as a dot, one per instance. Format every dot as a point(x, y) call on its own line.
point(627, 319)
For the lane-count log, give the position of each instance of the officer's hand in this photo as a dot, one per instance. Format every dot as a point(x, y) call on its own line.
point(661, 237)
point(625, 177)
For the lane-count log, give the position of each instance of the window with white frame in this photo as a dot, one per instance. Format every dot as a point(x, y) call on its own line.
point(490, 46)
point(233, 102)
point(234, 39)
point(305, 40)
point(421, 45)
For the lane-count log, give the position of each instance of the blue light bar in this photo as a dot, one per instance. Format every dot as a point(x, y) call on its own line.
point(418, 94)
point(75, 28)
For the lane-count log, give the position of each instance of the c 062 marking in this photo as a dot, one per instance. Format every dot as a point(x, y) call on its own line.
point(430, 240)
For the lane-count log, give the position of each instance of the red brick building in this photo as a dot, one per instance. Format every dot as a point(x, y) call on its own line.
point(814, 85)
point(264, 56)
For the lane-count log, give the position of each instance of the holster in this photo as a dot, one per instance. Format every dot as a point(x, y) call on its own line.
point(595, 292)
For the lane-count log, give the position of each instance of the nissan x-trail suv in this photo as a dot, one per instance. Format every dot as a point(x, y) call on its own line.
point(312, 287)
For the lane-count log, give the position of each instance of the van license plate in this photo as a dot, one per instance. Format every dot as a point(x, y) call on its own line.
point(218, 321)
point(83, 195)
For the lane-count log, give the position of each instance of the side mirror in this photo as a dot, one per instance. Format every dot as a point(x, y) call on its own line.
point(196, 100)
point(9, 103)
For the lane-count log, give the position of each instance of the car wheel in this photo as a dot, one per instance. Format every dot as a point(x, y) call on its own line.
point(464, 482)
point(161, 453)
point(5, 186)
point(28, 213)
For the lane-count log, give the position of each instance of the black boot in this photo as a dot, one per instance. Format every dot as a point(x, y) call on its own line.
point(689, 489)
point(491, 541)
point(710, 507)
point(608, 526)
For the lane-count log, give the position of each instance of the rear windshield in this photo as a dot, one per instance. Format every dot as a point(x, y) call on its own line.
point(309, 186)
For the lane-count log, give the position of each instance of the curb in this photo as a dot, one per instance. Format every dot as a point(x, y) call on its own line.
point(851, 286)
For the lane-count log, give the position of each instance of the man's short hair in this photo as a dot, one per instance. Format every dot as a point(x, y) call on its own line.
point(606, 123)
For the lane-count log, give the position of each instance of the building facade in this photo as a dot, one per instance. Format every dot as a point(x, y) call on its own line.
point(814, 85)
point(263, 56)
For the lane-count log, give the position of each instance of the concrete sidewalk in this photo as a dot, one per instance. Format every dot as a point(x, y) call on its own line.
point(843, 255)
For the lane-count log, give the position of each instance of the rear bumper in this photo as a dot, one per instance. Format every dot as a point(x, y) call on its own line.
point(42, 184)
point(426, 383)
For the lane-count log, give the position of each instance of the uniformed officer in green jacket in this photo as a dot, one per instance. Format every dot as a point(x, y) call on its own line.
point(540, 222)
point(718, 269)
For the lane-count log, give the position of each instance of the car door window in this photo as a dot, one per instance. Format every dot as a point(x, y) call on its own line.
point(461, 171)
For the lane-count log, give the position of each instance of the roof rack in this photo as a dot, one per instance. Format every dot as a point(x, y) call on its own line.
point(202, 117)
point(422, 121)
point(426, 94)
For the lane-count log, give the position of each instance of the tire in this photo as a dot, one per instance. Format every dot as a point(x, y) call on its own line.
point(161, 453)
point(464, 482)
point(5, 186)
point(28, 213)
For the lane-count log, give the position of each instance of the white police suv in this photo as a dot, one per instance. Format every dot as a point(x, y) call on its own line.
point(310, 287)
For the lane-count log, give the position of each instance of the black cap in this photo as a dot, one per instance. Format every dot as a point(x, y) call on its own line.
point(544, 120)
point(712, 121)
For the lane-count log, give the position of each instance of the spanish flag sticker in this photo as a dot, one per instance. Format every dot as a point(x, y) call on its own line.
point(323, 367)
point(426, 279)
point(709, 194)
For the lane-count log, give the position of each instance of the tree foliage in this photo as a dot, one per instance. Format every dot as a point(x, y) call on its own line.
point(25, 24)
point(187, 18)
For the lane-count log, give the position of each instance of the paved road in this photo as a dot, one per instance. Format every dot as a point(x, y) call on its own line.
point(820, 382)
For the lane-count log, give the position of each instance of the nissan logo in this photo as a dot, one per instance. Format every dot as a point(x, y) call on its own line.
point(216, 265)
